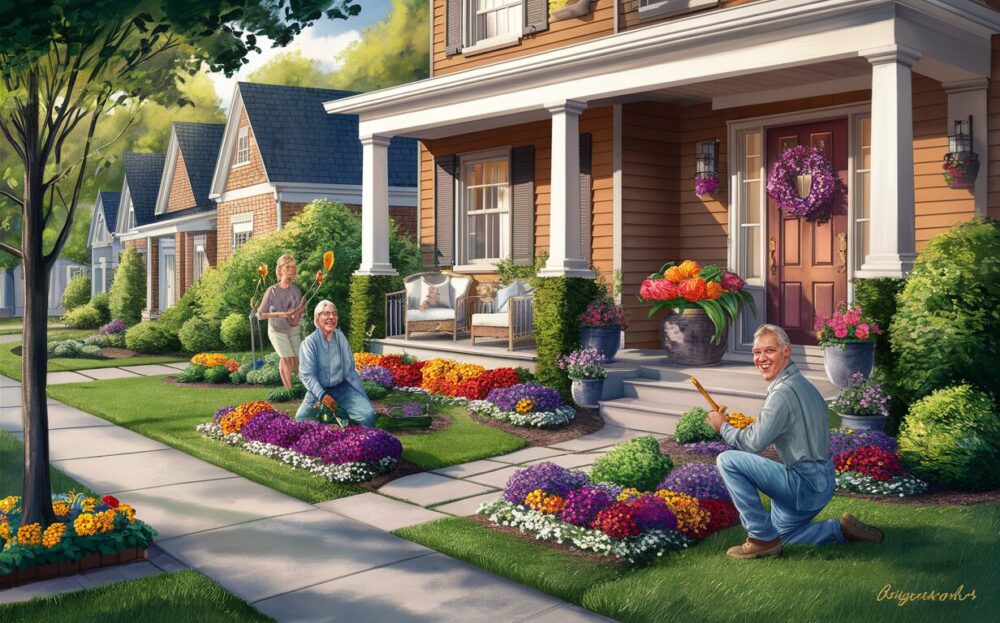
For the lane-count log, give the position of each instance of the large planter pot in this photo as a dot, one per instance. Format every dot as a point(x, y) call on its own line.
point(687, 338)
point(587, 392)
point(863, 422)
point(606, 340)
point(842, 361)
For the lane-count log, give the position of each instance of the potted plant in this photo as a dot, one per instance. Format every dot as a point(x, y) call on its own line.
point(706, 183)
point(863, 405)
point(585, 367)
point(601, 327)
point(702, 301)
point(848, 342)
point(961, 169)
point(567, 9)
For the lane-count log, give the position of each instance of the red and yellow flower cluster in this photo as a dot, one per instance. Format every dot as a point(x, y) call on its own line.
point(683, 281)
point(692, 519)
point(543, 502)
point(234, 421)
point(443, 377)
point(875, 461)
point(210, 360)
point(86, 523)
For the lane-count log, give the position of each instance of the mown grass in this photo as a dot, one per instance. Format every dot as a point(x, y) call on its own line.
point(169, 413)
point(929, 548)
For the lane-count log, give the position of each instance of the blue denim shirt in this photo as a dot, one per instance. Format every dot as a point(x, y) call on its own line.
point(327, 363)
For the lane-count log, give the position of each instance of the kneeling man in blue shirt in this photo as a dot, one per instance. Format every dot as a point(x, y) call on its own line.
point(793, 418)
point(326, 367)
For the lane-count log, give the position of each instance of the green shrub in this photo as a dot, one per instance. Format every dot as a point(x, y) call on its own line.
point(186, 308)
point(77, 293)
point(878, 297)
point(952, 437)
point(559, 301)
point(91, 350)
point(102, 303)
point(368, 307)
point(84, 317)
point(128, 290)
point(508, 270)
point(297, 392)
point(73, 349)
point(268, 374)
point(374, 390)
point(692, 427)
point(200, 335)
point(192, 374)
point(947, 328)
point(235, 332)
point(150, 337)
point(115, 340)
point(217, 374)
point(637, 463)
point(237, 378)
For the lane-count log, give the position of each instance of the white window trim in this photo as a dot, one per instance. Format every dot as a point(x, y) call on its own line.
point(240, 224)
point(485, 265)
point(199, 251)
point(491, 43)
point(131, 217)
point(242, 134)
point(654, 8)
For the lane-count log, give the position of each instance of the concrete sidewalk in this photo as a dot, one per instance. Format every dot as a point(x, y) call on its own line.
point(295, 561)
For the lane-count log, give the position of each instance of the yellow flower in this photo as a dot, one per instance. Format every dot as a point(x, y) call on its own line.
point(88, 504)
point(105, 520)
point(61, 509)
point(128, 511)
point(627, 493)
point(542, 502)
point(85, 524)
point(524, 405)
point(4, 530)
point(53, 534)
point(30, 534)
point(739, 420)
point(209, 360)
point(7, 504)
point(691, 518)
point(363, 360)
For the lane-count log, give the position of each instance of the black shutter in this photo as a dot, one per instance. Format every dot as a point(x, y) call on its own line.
point(453, 27)
point(522, 213)
point(536, 16)
point(585, 204)
point(444, 210)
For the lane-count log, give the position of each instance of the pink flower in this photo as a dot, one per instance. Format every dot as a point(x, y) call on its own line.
point(840, 332)
point(732, 282)
point(861, 332)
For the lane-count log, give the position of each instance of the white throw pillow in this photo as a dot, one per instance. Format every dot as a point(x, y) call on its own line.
point(443, 292)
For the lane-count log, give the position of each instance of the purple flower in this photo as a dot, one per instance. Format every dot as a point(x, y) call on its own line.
point(412, 409)
point(652, 513)
point(708, 448)
point(842, 442)
point(827, 193)
point(547, 476)
point(115, 326)
point(706, 184)
point(584, 363)
point(583, 504)
point(222, 412)
point(362, 445)
point(273, 427)
point(314, 438)
point(544, 398)
point(377, 374)
point(700, 480)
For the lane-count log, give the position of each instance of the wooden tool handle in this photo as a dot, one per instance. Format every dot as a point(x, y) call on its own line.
point(712, 403)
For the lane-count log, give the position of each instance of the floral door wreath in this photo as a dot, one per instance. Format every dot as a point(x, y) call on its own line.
point(827, 194)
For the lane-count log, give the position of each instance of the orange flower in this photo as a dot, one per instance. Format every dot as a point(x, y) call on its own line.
point(689, 269)
point(714, 289)
point(262, 270)
point(693, 289)
point(328, 260)
point(319, 277)
point(674, 274)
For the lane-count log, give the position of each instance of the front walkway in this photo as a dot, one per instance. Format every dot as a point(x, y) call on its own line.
point(294, 561)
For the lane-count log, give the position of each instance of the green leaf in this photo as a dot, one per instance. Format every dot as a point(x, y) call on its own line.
point(717, 316)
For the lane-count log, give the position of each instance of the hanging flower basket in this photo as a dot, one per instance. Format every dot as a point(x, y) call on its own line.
point(961, 169)
point(706, 184)
point(822, 194)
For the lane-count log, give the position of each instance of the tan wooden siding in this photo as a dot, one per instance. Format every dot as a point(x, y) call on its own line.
point(628, 13)
point(598, 23)
point(246, 174)
point(181, 195)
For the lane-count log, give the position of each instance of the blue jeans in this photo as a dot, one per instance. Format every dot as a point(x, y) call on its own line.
point(797, 495)
point(352, 405)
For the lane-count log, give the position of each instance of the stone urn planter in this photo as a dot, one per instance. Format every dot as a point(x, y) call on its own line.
point(586, 392)
point(842, 361)
point(607, 340)
point(863, 422)
point(687, 338)
point(577, 8)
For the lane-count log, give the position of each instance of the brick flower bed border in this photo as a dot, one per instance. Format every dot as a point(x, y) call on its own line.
point(48, 571)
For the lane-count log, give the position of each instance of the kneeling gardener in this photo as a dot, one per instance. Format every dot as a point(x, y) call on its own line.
point(326, 367)
point(793, 418)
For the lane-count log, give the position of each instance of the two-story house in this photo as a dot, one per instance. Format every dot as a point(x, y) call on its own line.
point(104, 244)
point(580, 134)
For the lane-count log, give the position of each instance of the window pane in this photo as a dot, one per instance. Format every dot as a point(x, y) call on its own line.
point(751, 251)
point(864, 205)
point(751, 143)
point(752, 191)
point(861, 246)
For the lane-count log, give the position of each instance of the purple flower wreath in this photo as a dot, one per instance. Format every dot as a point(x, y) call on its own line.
point(827, 195)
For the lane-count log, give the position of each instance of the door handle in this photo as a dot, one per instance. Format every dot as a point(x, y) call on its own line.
point(842, 252)
point(772, 259)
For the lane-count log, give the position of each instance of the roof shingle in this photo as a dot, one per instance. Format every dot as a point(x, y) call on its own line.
point(142, 175)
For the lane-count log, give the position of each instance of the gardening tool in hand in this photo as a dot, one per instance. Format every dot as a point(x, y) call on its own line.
point(735, 419)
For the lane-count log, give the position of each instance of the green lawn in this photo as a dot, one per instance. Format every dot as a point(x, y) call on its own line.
point(10, 364)
point(926, 549)
point(169, 414)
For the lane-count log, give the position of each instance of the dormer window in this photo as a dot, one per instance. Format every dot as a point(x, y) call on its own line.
point(493, 23)
point(131, 217)
point(243, 145)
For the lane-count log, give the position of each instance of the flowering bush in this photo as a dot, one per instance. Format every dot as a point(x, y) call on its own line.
point(868, 462)
point(604, 313)
point(862, 397)
point(700, 480)
point(525, 404)
point(547, 476)
point(827, 193)
point(583, 505)
point(708, 448)
point(234, 421)
point(848, 324)
point(688, 285)
point(584, 363)
point(543, 502)
point(846, 439)
point(113, 328)
point(691, 518)
point(872, 461)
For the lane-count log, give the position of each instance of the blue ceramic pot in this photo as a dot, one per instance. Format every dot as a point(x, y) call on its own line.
point(586, 392)
point(606, 340)
point(863, 422)
point(842, 361)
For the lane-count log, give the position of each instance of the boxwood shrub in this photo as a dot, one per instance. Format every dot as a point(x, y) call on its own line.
point(84, 317)
point(102, 303)
point(217, 375)
point(235, 332)
point(692, 427)
point(374, 390)
point(192, 374)
point(637, 463)
point(151, 337)
point(77, 293)
point(559, 301)
point(128, 290)
point(199, 335)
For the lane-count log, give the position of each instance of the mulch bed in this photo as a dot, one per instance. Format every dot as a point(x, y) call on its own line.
point(118, 353)
point(586, 421)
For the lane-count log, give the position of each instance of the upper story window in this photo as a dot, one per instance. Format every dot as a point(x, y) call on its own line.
point(484, 208)
point(242, 229)
point(243, 145)
point(131, 216)
point(493, 22)
point(200, 257)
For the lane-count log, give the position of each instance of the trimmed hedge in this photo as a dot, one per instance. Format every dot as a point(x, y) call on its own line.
point(879, 298)
point(128, 290)
point(637, 463)
point(235, 332)
point(84, 317)
point(77, 293)
point(199, 335)
point(151, 337)
point(559, 301)
point(367, 305)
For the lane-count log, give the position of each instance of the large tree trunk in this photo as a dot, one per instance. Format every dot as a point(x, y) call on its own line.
point(37, 492)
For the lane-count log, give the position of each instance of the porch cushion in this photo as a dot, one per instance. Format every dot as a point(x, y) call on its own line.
point(491, 320)
point(431, 313)
point(443, 289)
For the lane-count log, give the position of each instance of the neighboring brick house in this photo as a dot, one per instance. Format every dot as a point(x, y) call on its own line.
point(104, 244)
point(281, 150)
point(579, 134)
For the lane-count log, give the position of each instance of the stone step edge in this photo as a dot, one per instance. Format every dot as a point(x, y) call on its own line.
point(636, 404)
point(688, 387)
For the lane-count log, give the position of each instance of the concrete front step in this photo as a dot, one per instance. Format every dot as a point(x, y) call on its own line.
point(637, 415)
point(677, 397)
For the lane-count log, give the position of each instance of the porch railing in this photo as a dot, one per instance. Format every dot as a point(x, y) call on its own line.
point(395, 314)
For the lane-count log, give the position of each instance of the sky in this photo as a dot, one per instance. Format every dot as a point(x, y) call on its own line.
point(323, 41)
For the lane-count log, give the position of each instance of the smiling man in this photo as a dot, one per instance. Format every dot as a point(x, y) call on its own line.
point(793, 418)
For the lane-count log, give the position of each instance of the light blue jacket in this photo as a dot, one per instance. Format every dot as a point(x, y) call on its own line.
point(317, 357)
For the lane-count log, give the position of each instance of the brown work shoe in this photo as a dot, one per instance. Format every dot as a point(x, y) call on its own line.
point(856, 530)
point(754, 548)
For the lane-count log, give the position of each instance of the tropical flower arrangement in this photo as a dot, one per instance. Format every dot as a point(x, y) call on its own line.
point(85, 525)
point(868, 462)
point(706, 184)
point(863, 397)
point(848, 324)
point(827, 193)
point(584, 363)
point(562, 505)
point(688, 285)
point(352, 454)
point(525, 404)
point(604, 313)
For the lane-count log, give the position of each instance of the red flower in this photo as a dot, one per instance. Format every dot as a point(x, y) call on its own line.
point(874, 461)
point(111, 501)
point(658, 290)
point(693, 289)
point(617, 521)
point(723, 515)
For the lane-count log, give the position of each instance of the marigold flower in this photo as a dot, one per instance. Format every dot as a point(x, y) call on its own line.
point(127, 510)
point(739, 420)
point(85, 524)
point(4, 531)
point(691, 518)
point(9, 503)
point(53, 534)
point(235, 421)
point(30, 534)
point(105, 520)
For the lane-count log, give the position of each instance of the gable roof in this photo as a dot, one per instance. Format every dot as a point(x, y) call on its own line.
point(142, 181)
point(198, 143)
point(109, 203)
point(299, 142)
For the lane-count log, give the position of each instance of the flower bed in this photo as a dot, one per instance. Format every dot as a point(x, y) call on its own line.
point(562, 505)
point(868, 462)
point(525, 404)
point(351, 454)
point(88, 533)
point(217, 368)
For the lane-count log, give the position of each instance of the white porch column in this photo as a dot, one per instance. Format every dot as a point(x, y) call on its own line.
point(375, 207)
point(565, 257)
point(969, 98)
point(892, 244)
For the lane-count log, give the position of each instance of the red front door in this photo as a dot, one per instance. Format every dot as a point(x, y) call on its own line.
point(806, 262)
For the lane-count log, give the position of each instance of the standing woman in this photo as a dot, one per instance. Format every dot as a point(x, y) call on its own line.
point(282, 307)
